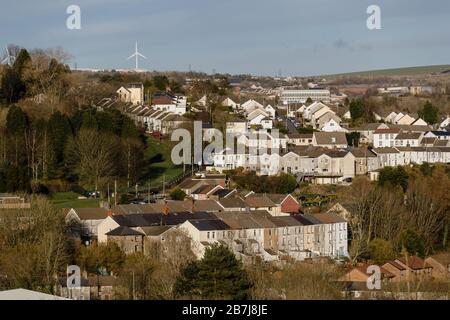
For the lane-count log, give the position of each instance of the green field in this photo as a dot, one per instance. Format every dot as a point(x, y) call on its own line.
point(408, 71)
point(70, 200)
point(159, 163)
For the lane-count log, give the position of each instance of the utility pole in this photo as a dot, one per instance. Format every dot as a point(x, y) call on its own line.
point(134, 288)
point(109, 198)
point(164, 185)
point(115, 192)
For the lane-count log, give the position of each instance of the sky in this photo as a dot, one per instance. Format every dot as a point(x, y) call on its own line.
point(260, 37)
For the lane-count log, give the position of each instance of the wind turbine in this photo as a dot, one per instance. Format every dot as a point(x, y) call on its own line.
point(9, 58)
point(136, 55)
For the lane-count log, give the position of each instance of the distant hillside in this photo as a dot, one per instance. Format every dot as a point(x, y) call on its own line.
point(409, 71)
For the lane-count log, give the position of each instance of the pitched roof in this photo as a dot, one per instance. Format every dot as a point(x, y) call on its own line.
point(207, 205)
point(362, 153)
point(307, 219)
point(326, 138)
point(414, 262)
point(124, 231)
point(385, 150)
point(209, 224)
point(408, 135)
point(155, 230)
point(91, 213)
point(286, 221)
point(329, 218)
point(232, 202)
point(153, 219)
point(442, 258)
point(277, 198)
point(258, 201)
point(390, 130)
point(299, 135)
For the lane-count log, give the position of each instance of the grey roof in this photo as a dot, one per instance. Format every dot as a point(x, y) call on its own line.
point(124, 231)
point(210, 224)
point(408, 135)
point(307, 219)
point(326, 138)
point(384, 150)
point(232, 202)
point(146, 220)
point(155, 230)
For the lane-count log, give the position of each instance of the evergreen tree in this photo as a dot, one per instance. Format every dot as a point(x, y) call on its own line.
point(219, 275)
point(59, 130)
point(429, 113)
point(356, 109)
point(412, 243)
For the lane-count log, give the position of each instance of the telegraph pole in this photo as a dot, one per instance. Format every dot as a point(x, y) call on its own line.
point(115, 192)
point(164, 185)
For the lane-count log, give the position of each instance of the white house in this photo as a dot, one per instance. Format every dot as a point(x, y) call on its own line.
point(419, 122)
point(256, 116)
point(408, 139)
point(267, 123)
point(333, 126)
point(251, 105)
point(334, 230)
point(270, 110)
point(445, 123)
point(88, 220)
point(202, 101)
point(236, 127)
point(329, 140)
point(390, 117)
point(231, 104)
point(388, 157)
point(406, 120)
point(385, 137)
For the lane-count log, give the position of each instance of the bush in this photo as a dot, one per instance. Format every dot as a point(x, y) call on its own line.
point(381, 250)
point(177, 194)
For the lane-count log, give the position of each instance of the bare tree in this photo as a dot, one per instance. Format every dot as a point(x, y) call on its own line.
point(93, 155)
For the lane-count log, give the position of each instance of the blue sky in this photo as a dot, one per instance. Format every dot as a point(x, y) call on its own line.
point(260, 37)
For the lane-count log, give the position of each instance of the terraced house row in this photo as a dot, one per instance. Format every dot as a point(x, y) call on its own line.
point(252, 227)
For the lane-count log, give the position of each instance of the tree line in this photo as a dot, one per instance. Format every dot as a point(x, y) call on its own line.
point(89, 147)
point(407, 211)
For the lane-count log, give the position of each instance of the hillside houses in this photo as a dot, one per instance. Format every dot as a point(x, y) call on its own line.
point(168, 101)
point(252, 225)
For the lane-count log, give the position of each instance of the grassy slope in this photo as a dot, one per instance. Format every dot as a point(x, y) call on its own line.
point(160, 164)
point(70, 200)
point(410, 71)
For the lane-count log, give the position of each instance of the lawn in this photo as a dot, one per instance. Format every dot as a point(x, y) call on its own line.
point(159, 163)
point(70, 200)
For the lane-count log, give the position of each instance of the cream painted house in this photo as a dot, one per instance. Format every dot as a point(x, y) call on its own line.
point(133, 93)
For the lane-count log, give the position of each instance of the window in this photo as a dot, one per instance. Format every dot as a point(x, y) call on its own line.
point(207, 235)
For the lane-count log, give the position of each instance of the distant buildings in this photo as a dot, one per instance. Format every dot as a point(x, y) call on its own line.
point(301, 96)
